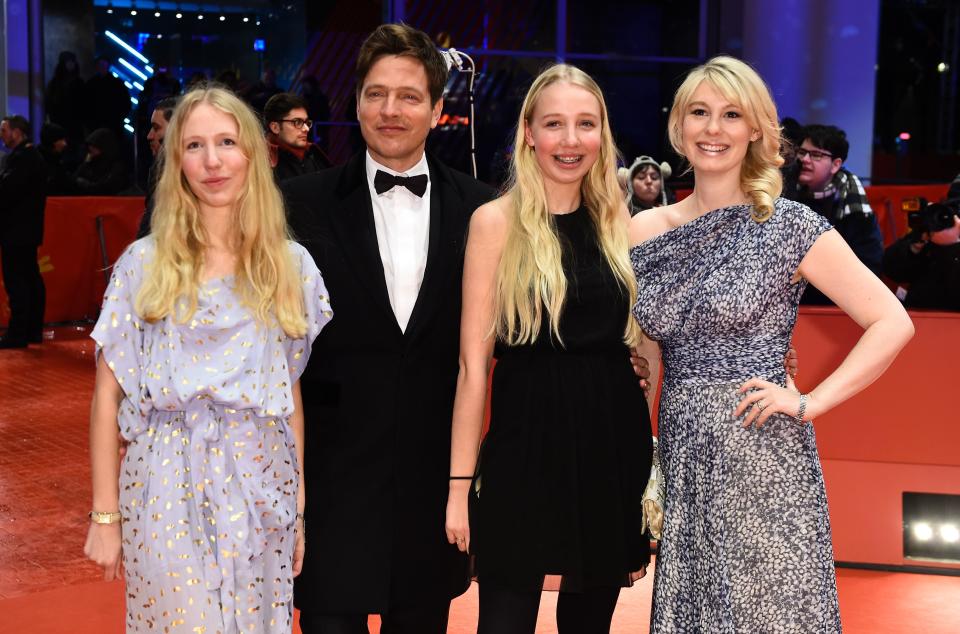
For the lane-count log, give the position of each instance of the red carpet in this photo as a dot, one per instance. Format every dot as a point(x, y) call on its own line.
point(46, 585)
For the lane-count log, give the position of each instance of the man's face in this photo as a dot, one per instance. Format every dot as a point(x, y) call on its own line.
point(10, 136)
point(395, 112)
point(817, 166)
point(287, 131)
point(158, 127)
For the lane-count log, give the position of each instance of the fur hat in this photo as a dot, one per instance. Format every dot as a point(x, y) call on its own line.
point(625, 175)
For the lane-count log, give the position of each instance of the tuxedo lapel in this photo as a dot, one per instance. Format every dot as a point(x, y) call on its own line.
point(353, 222)
point(445, 246)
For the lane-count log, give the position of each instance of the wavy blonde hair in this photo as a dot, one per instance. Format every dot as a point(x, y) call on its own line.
point(530, 276)
point(760, 177)
point(266, 280)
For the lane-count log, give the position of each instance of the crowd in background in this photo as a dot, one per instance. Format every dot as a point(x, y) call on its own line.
point(87, 150)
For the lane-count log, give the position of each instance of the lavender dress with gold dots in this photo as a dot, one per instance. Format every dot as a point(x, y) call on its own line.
point(208, 485)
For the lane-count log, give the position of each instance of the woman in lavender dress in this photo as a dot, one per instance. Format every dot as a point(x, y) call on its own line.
point(205, 328)
point(746, 540)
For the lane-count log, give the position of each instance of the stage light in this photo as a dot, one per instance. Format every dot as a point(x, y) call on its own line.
point(179, 15)
point(943, 67)
point(128, 127)
point(127, 47)
point(135, 101)
point(110, 10)
point(200, 16)
point(159, 36)
point(133, 12)
point(133, 69)
point(223, 18)
point(156, 14)
point(904, 136)
point(949, 533)
point(126, 83)
point(246, 18)
point(149, 69)
point(126, 120)
point(923, 531)
point(138, 85)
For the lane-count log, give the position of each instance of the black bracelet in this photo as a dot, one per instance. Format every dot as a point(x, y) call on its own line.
point(461, 477)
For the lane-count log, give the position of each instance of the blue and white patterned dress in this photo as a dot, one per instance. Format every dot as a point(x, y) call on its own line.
point(746, 543)
point(208, 486)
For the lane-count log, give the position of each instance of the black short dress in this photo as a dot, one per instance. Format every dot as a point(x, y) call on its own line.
point(564, 465)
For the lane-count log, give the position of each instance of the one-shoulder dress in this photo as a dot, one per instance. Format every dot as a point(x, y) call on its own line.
point(565, 462)
point(746, 541)
point(208, 486)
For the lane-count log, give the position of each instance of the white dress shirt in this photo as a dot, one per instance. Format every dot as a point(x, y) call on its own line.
point(402, 221)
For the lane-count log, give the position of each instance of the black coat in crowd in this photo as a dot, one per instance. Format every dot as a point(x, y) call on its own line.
point(933, 274)
point(289, 165)
point(23, 196)
point(379, 401)
point(105, 174)
point(23, 182)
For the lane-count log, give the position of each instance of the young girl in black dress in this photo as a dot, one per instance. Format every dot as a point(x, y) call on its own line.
point(547, 288)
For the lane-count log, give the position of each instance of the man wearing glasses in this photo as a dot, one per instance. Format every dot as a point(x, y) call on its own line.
point(836, 194)
point(288, 128)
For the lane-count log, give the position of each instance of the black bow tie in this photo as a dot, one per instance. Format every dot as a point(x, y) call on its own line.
point(383, 182)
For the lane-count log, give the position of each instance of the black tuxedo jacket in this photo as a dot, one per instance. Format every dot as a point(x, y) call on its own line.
point(378, 401)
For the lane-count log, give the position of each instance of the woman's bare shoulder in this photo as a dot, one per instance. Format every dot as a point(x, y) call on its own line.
point(650, 223)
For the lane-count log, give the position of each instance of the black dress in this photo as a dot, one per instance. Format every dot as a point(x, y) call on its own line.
point(564, 465)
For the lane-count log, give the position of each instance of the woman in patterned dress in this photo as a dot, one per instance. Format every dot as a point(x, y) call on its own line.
point(746, 542)
point(206, 326)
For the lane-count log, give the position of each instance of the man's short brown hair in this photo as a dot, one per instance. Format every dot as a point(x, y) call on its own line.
point(403, 40)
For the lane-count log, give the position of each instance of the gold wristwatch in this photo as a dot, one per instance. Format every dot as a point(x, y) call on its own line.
point(98, 517)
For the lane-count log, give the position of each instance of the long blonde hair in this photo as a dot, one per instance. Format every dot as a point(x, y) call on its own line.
point(266, 280)
point(760, 177)
point(530, 276)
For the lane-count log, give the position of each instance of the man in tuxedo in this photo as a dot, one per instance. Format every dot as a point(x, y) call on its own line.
point(387, 230)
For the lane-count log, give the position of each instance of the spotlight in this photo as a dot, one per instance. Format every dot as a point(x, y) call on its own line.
point(133, 12)
point(931, 526)
point(949, 533)
point(943, 67)
point(223, 18)
point(159, 36)
point(156, 14)
point(200, 16)
point(246, 19)
point(179, 15)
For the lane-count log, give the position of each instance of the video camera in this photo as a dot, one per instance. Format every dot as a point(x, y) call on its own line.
point(924, 217)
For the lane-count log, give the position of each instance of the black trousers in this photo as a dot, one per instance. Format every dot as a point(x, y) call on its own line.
point(504, 611)
point(430, 619)
point(25, 292)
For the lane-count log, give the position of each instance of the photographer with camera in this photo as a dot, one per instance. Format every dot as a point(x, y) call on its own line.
point(928, 258)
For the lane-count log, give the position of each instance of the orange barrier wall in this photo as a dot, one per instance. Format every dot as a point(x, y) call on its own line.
point(886, 201)
point(70, 258)
point(900, 434)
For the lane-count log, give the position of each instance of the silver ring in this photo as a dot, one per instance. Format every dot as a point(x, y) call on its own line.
point(760, 405)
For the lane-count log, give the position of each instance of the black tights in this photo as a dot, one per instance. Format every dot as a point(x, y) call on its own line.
point(504, 611)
